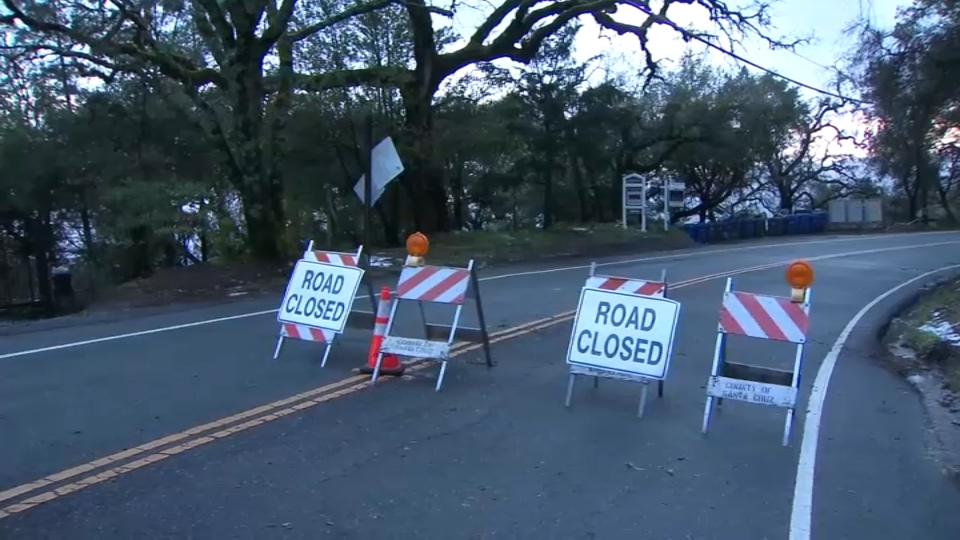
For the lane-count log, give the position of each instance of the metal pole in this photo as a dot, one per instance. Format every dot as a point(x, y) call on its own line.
point(666, 206)
point(643, 209)
point(368, 188)
point(623, 198)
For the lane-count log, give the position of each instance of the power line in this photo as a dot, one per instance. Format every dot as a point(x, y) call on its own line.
point(769, 71)
point(690, 35)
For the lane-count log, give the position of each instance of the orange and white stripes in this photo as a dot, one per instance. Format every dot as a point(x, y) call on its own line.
point(331, 257)
point(434, 284)
point(382, 318)
point(764, 317)
point(306, 333)
point(632, 286)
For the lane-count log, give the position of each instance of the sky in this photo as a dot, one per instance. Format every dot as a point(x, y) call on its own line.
point(826, 22)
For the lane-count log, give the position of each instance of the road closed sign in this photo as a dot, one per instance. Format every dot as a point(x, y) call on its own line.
point(320, 295)
point(623, 332)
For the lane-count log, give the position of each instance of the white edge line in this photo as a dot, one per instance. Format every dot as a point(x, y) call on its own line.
point(491, 278)
point(801, 513)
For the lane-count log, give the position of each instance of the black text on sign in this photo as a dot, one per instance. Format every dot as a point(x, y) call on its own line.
point(320, 295)
point(624, 332)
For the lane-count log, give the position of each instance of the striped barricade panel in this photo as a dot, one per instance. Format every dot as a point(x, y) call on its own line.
point(433, 284)
point(764, 317)
point(331, 257)
point(306, 333)
point(632, 286)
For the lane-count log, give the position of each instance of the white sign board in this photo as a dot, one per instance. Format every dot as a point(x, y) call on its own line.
point(752, 392)
point(386, 166)
point(320, 295)
point(358, 189)
point(623, 332)
point(633, 179)
point(416, 348)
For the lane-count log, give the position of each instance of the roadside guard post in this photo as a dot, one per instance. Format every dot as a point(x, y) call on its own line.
point(762, 317)
point(317, 303)
point(422, 283)
point(623, 329)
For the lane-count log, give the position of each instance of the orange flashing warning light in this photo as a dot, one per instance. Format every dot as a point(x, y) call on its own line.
point(417, 244)
point(417, 247)
point(799, 276)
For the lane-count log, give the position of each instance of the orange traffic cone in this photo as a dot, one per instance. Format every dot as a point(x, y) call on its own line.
point(390, 364)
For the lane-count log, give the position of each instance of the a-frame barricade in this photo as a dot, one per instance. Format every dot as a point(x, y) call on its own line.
point(439, 285)
point(356, 319)
point(766, 317)
point(631, 286)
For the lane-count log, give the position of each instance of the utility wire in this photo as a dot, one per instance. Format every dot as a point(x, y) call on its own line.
point(690, 35)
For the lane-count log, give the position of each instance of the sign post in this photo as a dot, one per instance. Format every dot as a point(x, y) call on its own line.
point(762, 317)
point(622, 333)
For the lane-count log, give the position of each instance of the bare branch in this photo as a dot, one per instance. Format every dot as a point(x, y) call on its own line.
point(386, 77)
point(356, 11)
point(143, 48)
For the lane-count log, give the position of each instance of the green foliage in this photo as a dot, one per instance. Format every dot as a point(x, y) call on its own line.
point(910, 75)
point(235, 131)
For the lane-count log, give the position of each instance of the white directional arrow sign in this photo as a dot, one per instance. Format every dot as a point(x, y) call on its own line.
point(386, 166)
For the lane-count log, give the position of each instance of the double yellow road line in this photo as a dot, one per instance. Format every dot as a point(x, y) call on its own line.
point(157, 450)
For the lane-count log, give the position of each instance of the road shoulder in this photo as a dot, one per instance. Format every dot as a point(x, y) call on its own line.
point(876, 475)
point(920, 341)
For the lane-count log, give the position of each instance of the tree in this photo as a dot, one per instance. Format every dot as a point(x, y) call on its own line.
point(909, 76)
point(223, 130)
point(736, 120)
point(243, 102)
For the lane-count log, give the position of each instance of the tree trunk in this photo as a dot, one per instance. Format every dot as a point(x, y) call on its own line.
point(259, 185)
point(786, 197)
point(430, 208)
point(139, 263)
point(943, 195)
point(86, 223)
point(40, 232)
point(583, 198)
point(548, 196)
point(456, 186)
point(263, 220)
point(391, 229)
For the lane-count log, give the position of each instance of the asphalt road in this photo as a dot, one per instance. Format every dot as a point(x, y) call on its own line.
point(495, 455)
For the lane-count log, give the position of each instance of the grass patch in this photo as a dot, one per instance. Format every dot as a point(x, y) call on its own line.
point(213, 282)
point(492, 247)
point(932, 330)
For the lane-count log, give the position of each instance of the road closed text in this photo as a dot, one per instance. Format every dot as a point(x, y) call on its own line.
point(624, 332)
point(313, 297)
point(621, 332)
point(319, 295)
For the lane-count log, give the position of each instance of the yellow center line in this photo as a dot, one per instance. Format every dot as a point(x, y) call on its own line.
point(267, 413)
